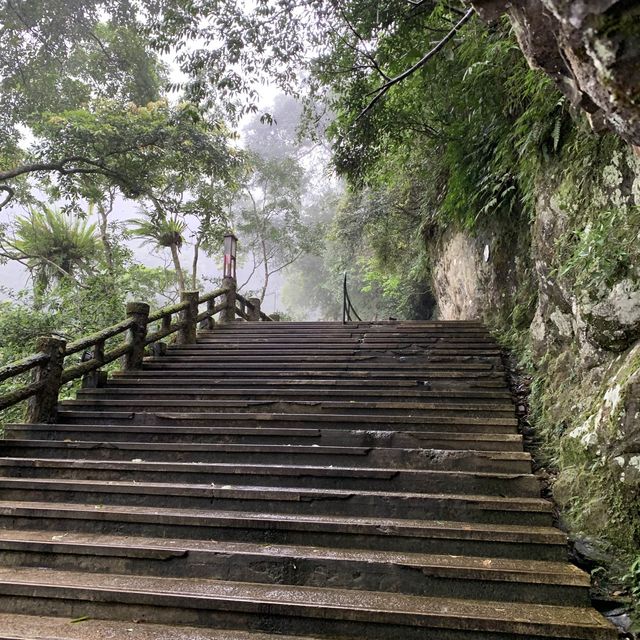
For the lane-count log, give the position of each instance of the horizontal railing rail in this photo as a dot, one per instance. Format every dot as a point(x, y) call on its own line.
point(139, 330)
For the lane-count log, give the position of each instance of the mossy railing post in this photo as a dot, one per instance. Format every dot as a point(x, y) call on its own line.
point(96, 378)
point(229, 280)
point(209, 323)
point(229, 312)
point(42, 406)
point(189, 318)
point(136, 336)
point(254, 309)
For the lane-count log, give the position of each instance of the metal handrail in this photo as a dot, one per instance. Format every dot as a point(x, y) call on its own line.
point(347, 307)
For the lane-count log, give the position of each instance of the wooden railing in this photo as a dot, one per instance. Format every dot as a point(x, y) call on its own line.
point(139, 330)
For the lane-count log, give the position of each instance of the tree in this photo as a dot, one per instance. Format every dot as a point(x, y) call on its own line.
point(55, 55)
point(135, 149)
point(163, 232)
point(270, 218)
point(52, 245)
point(58, 55)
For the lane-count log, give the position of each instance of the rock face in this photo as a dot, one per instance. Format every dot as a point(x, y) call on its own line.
point(591, 49)
point(583, 329)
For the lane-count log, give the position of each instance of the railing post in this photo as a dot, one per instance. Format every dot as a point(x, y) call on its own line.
point(187, 334)
point(229, 312)
point(254, 309)
point(139, 312)
point(97, 378)
point(42, 407)
point(209, 323)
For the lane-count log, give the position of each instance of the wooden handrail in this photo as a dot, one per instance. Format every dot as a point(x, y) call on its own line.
point(20, 366)
point(47, 366)
point(84, 343)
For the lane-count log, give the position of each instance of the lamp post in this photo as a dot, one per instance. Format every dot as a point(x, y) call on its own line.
point(230, 249)
point(229, 276)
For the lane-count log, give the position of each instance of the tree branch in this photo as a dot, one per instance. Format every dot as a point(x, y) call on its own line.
point(9, 195)
point(363, 52)
point(381, 91)
point(22, 257)
point(94, 167)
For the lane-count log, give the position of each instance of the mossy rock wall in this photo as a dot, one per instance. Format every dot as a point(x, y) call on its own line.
point(563, 289)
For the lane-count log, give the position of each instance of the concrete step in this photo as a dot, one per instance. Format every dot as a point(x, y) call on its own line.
point(150, 379)
point(437, 379)
point(486, 400)
point(273, 475)
point(30, 627)
point(341, 347)
point(508, 580)
point(449, 424)
point(89, 402)
point(308, 480)
point(314, 529)
point(289, 609)
point(293, 500)
point(368, 354)
point(407, 368)
point(303, 454)
point(466, 445)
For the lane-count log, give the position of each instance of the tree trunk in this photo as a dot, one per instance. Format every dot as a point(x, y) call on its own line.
point(194, 265)
point(266, 271)
point(178, 267)
point(104, 236)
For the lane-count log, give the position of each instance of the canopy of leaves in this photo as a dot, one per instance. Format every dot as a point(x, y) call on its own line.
point(57, 55)
point(156, 150)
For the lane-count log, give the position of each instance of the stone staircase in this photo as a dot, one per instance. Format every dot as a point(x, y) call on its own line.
point(288, 480)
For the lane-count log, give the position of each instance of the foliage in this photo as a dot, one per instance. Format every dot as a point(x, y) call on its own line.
point(57, 55)
point(54, 245)
point(270, 218)
point(156, 151)
point(75, 308)
point(163, 232)
point(632, 580)
point(459, 144)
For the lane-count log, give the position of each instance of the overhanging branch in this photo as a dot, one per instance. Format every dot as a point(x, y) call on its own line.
point(92, 167)
point(382, 90)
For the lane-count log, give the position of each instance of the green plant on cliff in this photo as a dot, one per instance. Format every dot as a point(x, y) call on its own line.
point(459, 145)
point(632, 581)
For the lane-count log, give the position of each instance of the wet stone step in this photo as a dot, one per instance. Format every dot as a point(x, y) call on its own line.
point(449, 424)
point(332, 477)
point(411, 407)
point(115, 390)
point(296, 364)
point(289, 609)
point(30, 627)
point(468, 445)
point(432, 354)
point(319, 530)
point(304, 454)
point(294, 500)
point(140, 382)
point(440, 380)
point(348, 422)
point(417, 574)
point(296, 480)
